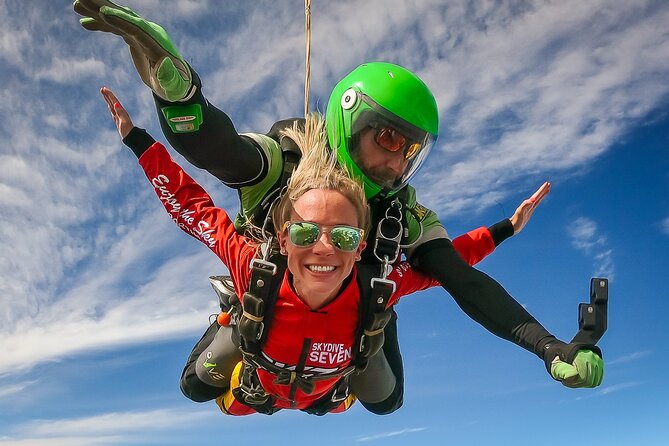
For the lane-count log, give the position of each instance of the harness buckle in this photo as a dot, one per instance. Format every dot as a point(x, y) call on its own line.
point(340, 393)
point(260, 331)
point(250, 387)
point(384, 283)
point(263, 266)
point(389, 234)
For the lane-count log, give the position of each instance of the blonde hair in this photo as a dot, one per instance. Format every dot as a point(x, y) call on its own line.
point(318, 169)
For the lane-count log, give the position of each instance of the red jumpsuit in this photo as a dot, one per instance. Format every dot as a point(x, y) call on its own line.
point(316, 341)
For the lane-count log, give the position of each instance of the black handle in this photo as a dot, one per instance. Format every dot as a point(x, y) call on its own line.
point(592, 317)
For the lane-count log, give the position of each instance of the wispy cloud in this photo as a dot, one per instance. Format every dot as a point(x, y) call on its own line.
point(391, 434)
point(585, 236)
point(13, 389)
point(630, 358)
point(607, 390)
point(543, 99)
point(103, 310)
point(664, 226)
point(104, 429)
point(617, 387)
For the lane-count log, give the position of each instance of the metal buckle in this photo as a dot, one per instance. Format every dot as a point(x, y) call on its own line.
point(263, 265)
point(384, 283)
point(337, 397)
point(396, 232)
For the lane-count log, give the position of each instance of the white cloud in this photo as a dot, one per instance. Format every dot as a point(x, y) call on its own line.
point(391, 434)
point(525, 93)
point(67, 70)
point(617, 387)
point(664, 226)
point(630, 358)
point(112, 303)
point(585, 237)
point(14, 389)
point(104, 429)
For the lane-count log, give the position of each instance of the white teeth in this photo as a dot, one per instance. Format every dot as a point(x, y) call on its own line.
point(321, 268)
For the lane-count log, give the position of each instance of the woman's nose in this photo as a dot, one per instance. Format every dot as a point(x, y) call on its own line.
point(324, 244)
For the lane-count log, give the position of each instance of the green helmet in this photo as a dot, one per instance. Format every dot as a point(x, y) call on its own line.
point(381, 95)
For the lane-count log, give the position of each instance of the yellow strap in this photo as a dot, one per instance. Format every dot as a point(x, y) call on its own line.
point(374, 332)
point(227, 399)
point(252, 317)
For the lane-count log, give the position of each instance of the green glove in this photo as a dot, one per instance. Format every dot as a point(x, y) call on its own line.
point(156, 59)
point(587, 370)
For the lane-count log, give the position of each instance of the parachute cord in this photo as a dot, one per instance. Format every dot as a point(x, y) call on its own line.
point(307, 74)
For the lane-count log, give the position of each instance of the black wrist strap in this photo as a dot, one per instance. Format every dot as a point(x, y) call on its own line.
point(139, 141)
point(501, 231)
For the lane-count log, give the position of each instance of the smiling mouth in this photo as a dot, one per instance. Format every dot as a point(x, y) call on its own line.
point(321, 268)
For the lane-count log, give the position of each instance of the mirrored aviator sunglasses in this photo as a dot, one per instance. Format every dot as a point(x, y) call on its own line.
point(393, 141)
point(305, 234)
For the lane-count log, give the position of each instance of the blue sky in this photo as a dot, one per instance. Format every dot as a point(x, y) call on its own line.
point(102, 298)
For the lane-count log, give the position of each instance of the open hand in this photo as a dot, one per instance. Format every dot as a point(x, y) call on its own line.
point(121, 117)
point(526, 209)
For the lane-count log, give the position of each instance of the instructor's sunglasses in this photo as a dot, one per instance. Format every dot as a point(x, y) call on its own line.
point(393, 141)
point(306, 233)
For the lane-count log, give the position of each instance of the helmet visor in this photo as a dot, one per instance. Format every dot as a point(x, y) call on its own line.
point(394, 135)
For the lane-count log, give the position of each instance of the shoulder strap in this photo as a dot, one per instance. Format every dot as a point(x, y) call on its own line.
point(258, 301)
point(289, 149)
point(375, 293)
point(291, 157)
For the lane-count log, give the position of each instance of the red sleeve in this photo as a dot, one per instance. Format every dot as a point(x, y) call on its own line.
point(192, 209)
point(475, 245)
point(408, 280)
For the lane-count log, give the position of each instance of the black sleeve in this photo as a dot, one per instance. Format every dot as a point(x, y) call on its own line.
point(481, 297)
point(138, 140)
point(501, 231)
point(216, 147)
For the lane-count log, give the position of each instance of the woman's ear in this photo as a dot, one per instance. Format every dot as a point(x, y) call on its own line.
point(282, 243)
point(361, 247)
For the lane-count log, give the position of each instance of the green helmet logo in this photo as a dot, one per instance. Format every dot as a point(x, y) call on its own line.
point(380, 96)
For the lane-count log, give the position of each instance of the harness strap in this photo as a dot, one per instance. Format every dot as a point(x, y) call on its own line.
point(252, 317)
point(257, 300)
point(376, 317)
point(304, 380)
point(251, 393)
point(331, 400)
point(388, 236)
point(291, 155)
point(376, 313)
